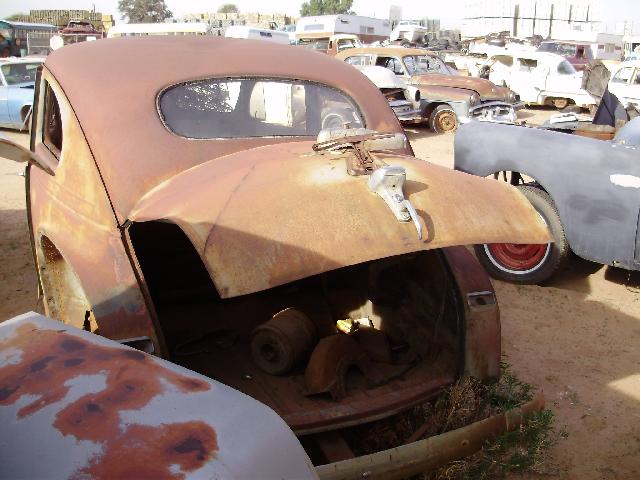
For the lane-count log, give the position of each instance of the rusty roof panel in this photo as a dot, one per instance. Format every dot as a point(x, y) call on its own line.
point(132, 71)
point(85, 406)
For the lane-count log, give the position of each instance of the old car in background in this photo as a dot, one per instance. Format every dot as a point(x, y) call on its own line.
point(403, 99)
point(539, 78)
point(17, 80)
point(587, 190)
point(578, 54)
point(447, 99)
point(218, 225)
point(625, 82)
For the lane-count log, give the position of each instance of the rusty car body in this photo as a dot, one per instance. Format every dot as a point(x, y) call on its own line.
point(319, 271)
point(448, 100)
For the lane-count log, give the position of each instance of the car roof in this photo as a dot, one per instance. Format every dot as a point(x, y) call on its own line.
point(530, 55)
point(399, 51)
point(118, 113)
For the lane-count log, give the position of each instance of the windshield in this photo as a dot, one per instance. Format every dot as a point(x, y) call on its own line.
point(254, 107)
point(566, 50)
point(15, 73)
point(315, 43)
point(420, 64)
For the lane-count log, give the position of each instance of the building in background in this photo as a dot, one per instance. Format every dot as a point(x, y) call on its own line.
point(525, 18)
point(219, 22)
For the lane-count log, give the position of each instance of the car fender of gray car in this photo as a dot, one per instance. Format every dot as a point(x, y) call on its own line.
point(594, 184)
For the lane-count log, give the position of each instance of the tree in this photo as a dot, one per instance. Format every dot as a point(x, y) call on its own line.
point(16, 17)
point(325, 7)
point(144, 11)
point(228, 8)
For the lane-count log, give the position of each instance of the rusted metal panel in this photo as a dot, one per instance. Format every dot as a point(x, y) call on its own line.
point(428, 454)
point(132, 164)
point(85, 406)
point(482, 341)
point(71, 209)
point(275, 214)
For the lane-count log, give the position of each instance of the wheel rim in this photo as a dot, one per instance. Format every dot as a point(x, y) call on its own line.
point(560, 104)
point(517, 258)
point(446, 121)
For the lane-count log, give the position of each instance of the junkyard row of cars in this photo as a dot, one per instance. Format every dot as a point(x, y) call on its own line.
point(265, 227)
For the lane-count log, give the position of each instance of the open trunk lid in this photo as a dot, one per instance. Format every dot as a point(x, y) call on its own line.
point(272, 215)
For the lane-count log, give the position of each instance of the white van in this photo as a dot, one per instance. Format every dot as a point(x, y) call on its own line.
point(254, 33)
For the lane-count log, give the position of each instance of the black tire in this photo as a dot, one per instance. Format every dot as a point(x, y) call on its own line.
point(555, 255)
point(443, 119)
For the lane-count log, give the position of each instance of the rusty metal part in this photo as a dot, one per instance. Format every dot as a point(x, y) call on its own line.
point(333, 446)
point(241, 213)
point(482, 347)
point(433, 452)
point(284, 341)
point(375, 343)
point(329, 364)
point(361, 162)
point(91, 408)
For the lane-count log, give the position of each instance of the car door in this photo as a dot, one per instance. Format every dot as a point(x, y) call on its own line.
point(4, 101)
point(528, 78)
point(621, 83)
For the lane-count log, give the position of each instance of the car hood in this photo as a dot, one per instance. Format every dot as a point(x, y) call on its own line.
point(484, 88)
point(268, 216)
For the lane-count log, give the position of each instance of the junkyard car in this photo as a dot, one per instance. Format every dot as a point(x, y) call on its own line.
point(539, 78)
point(447, 100)
point(625, 83)
point(404, 100)
point(17, 80)
point(585, 188)
point(205, 216)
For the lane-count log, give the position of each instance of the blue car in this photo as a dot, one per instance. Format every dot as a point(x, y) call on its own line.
point(17, 83)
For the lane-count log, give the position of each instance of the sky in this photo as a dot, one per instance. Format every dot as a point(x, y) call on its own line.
point(449, 12)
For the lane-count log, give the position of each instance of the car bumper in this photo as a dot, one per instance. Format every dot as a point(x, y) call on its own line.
point(405, 112)
point(497, 112)
point(433, 452)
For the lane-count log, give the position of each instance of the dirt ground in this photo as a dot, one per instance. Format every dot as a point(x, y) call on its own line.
point(575, 337)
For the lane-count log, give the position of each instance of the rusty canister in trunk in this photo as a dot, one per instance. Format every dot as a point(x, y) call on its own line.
point(282, 342)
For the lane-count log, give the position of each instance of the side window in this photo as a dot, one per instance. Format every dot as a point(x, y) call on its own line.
point(623, 75)
point(636, 77)
point(52, 123)
point(504, 60)
point(391, 63)
point(527, 64)
point(359, 60)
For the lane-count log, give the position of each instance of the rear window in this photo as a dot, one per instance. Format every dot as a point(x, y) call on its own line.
point(255, 107)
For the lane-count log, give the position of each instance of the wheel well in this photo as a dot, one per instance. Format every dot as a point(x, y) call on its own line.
point(24, 111)
point(516, 178)
point(64, 298)
point(432, 106)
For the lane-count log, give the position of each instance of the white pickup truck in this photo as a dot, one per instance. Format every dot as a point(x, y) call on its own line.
point(539, 78)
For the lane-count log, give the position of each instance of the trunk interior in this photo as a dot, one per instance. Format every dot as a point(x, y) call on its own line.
point(286, 346)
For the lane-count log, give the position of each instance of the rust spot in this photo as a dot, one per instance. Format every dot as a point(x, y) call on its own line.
point(134, 355)
point(72, 362)
point(148, 452)
point(6, 392)
point(40, 364)
point(71, 345)
point(136, 451)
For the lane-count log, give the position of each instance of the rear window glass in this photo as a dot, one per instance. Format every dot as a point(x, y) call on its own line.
point(254, 107)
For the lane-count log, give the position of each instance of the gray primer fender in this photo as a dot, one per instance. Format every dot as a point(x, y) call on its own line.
point(594, 183)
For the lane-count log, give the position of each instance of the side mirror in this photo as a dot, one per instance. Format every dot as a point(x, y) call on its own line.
point(12, 151)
